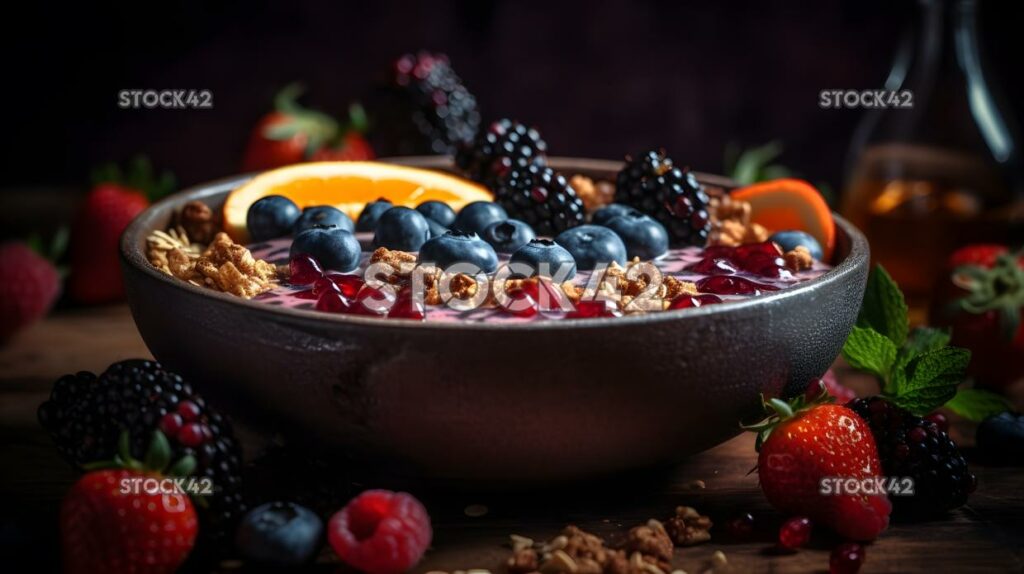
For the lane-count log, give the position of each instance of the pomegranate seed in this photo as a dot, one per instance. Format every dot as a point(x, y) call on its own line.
point(406, 308)
point(591, 309)
point(304, 294)
point(522, 301)
point(762, 259)
point(846, 558)
point(322, 286)
point(333, 302)
point(304, 269)
point(795, 533)
point(940, 421)
point(741, 527)
point(728, 285)
point(713, 266)
point(192, 435)
point(349, 284)
point(171, 423)
point(371, 301)
point(688, 301)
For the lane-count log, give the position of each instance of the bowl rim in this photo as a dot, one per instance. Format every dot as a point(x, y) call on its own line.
point(133, 255)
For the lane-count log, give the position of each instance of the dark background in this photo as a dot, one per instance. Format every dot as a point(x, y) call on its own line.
point(598, 78)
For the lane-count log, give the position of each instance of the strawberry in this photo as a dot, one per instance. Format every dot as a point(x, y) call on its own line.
point(804, 442)
point(107, 210)
point(289, 134)
point(982, 301)
point(111, 522)
point(29, 285)
point(353, 147)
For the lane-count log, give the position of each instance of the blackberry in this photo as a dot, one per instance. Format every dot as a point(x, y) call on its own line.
point(912, 447)
point(651, 184)
point(424, 108)
point(505, 146)
point(540, 197)
point(86, 414)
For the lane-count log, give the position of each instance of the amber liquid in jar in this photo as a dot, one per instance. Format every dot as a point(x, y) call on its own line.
point(917, 204)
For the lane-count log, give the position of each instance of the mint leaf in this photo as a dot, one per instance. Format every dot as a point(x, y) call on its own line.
point(925, 399)
point(941, 367)
point(884, 308)
point(976, 404)
point(925, 339)
point(868, 350)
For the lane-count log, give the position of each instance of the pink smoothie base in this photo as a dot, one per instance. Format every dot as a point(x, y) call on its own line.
point(672, 263)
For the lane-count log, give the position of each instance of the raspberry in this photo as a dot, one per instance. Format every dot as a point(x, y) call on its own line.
point(381, 532)
point(794, 533)
point(846, 558)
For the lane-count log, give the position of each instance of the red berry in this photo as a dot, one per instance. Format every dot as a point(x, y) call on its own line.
point(29, 284)
point(846, 559)
point(170, 424)
point(940, 421)
point(730, 285)
point(188, 410)
point(380, 532)
point(304, 269)
point(795, 532)
point(741, 527)
point(591, 309)
point(192, 435)
point(406, 308)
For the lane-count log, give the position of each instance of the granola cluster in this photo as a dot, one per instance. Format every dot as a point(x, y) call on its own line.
point(595, 194)
point(200, 222)
point(223, 265)
point(639, 287)
point(688, 527)
point(731, 225)
point(798, 259)
point(647, 549)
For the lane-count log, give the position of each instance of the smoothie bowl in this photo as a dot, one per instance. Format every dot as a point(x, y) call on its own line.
point(451, 380)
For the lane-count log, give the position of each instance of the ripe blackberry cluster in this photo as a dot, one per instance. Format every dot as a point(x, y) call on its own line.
point(540, 197)
point(910, 446)
point(425, 109)
point(651, 184)
point(506, 145)
point(86, 414)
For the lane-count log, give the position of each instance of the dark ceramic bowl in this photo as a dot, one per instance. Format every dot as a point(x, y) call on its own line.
point(525, 402)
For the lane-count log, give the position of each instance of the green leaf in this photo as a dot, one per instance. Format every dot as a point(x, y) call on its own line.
point(976, 404)
point(185, 466)
point(158, 455)
point(884, 308)
point(868, 350)
point(941, 367)
point(925, 399)
point(925, 339)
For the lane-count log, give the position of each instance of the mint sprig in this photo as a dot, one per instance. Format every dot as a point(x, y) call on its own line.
point(917, 370)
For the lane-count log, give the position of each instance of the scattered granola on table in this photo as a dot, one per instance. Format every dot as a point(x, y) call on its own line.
point(688, 527)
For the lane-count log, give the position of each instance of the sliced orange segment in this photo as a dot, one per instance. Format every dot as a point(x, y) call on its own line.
point(790, 204)
point(349, 186)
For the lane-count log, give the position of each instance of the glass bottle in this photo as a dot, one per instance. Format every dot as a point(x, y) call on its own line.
point(944, 172)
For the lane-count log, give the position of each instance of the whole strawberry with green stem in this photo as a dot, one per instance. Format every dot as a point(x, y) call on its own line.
point(982, 302)
point(112, 523)
point(806, 441)
point(113, 202)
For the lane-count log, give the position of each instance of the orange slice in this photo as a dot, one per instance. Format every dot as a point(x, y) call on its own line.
point(349, 186)
point(790, 204)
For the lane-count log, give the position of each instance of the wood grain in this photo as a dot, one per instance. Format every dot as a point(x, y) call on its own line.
point(985, 536)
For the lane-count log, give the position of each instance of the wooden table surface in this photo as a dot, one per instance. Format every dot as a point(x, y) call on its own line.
point(985, 536)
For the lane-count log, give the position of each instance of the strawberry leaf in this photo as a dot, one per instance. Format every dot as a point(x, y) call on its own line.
point(976, 404)
point(884, 308)
point(869, 350)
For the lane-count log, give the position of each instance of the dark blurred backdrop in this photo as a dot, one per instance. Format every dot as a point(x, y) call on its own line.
point(599, 78)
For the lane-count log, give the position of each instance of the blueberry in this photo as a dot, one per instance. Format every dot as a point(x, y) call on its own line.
point(371, 213)
point(643, 235)
point(323, 215)
point(540, 251)
point(1000, 438)
point(476, 216)
point(601, 216)
point(592, 245)
point(439, 211)
point(789, 240)
point(332, 247)
point(280, 533)
point(436, 229)
point(270, 217)
point(401, 228)
point(459, 247)
point(508, 236)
